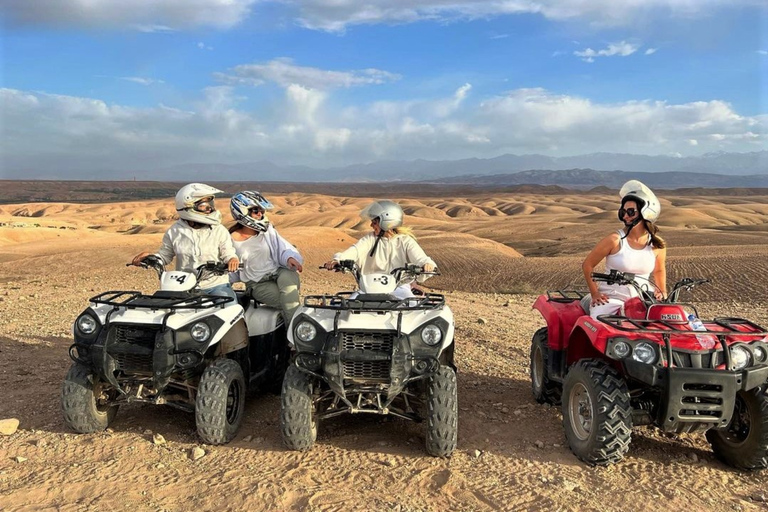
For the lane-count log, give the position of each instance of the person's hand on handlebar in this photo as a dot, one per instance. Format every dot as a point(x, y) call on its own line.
point(233, 264)
point(139, 258)
point(428, 267)
point(660, 295)
point(330, 265)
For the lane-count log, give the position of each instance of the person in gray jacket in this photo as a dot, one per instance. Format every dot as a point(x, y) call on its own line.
point(270, 263)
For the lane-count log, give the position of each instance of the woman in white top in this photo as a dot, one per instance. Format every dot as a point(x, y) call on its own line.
point(636, 249)
point(270, 263)
point(389, 246)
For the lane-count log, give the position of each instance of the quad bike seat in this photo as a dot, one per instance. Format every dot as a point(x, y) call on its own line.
point(586, 302)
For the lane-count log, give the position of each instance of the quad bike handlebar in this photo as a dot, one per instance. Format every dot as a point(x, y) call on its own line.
point(629, 279)
point(206, 269)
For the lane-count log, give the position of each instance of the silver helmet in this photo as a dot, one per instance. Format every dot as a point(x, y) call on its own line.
point(194, 202)
point(648, 203)
point(241, 205)
point(389, 213)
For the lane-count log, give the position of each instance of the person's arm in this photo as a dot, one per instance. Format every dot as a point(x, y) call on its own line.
point(660, 273)
point(288, 255)
point(362, 246)
point(603, 248)
point(227, 251)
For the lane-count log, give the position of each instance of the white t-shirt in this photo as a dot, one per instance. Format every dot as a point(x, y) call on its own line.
point(256, 259)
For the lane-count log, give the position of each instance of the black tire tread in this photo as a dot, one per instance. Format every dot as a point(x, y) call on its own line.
point(78, 402)
point(551, 391)
point(442, 413)
point(297, 421)
point(612, 425)
point(753, 453)
point(211, 402)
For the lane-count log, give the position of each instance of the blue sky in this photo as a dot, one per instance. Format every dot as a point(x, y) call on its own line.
point(118, 84)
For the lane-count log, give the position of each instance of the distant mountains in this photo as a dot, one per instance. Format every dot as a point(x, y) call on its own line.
point(719, 169)
point(589, 178)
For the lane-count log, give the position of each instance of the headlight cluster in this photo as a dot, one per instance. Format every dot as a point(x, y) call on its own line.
point(642, 352)
point(743, 355)
point(431, 334)
point(305, 331)
point(200, 332)
point(87, 324)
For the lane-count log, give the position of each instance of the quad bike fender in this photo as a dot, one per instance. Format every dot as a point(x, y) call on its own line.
point(586, 340)
point(235, 339)
point(560, 318)
point(262, 320)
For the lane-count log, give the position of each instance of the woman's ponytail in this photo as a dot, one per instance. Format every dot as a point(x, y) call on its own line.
point(656, 241)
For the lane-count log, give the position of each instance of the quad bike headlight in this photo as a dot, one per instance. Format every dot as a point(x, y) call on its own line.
point(622, 349)
point(87, 324)
point(200, 332)
point(760, 354)
point(644, 353)
point(305, 331)
point(431, 334)
point(739, 357)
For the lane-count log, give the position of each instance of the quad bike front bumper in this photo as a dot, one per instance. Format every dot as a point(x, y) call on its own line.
point(144, 353)
point(694, 397)
point(367, 371)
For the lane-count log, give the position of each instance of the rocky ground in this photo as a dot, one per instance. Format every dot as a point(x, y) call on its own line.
point(511, 455)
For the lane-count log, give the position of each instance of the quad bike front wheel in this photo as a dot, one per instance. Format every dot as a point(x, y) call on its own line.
point(597, 414)
point(442, 413)
point(298, 418)
point(220, 401)
point(84, 401)
point(743, 444)
point(545, 390)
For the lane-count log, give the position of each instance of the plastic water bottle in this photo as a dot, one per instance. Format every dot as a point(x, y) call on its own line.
point(695, 323)
point(707, 341)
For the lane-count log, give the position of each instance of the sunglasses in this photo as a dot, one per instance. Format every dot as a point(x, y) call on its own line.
point(255, 210)
point(628, 211)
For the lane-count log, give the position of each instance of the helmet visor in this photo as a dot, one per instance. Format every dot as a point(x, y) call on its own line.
point(204, 205)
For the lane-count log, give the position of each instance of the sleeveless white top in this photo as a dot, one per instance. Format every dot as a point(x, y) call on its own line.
point(640, 262)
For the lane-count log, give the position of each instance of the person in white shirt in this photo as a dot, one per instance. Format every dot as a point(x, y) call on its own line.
point(270, 263)
point(198, 238)
point(391, 245)
point(636, 249)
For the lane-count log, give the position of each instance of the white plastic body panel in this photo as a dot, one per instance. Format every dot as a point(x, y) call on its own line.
point(177, 281)
point(262, 320)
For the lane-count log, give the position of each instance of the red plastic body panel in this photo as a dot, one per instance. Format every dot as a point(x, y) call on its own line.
point(560, 318)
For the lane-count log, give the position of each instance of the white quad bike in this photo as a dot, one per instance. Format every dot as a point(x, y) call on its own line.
point(371, 352)
point(177, 347)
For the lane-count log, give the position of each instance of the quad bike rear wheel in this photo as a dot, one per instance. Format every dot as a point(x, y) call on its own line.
point(83, 401)
point(744, 443)
point(545, 390)
point(442, 413)
point(220, 401)
point(597, 414)
point(298, 418)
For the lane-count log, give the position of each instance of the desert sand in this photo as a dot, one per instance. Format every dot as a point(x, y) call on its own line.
point(496, 252)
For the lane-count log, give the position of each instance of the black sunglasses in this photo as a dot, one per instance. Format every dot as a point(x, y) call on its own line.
point(629, 211)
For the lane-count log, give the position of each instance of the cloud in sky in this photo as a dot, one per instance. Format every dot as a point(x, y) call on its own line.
point(141, 15)
point(141, 80)
point(337, 15)
point(76, 133)
point(284, 72)
point(622, 49)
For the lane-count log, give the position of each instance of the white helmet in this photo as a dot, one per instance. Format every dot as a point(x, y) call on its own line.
point(194, 202)
point(389, 213)
point(647, 202)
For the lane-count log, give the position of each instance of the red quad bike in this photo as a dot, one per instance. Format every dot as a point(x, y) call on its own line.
point(653, 365)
